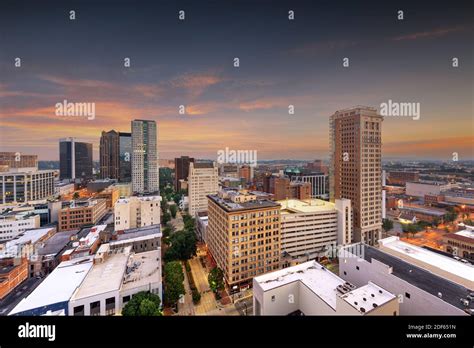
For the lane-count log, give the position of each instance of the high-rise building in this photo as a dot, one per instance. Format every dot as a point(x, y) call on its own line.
point(75, 159)
point(243, 236)
point(181, 167)
point(145, 173)
point(15, 160)
point(125, 154)
point(355, 171)
point(109, 155)
point(134, 212)
point(203, 180)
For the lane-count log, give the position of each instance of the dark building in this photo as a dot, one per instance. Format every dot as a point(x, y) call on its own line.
point(109, 155)
point(181, 167)
point(75, 159)
point(125, 154)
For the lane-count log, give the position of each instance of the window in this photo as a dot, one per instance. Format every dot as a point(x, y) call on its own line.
point(273, 298)
point(357, 267)
point(407, 295)
point(345, 273)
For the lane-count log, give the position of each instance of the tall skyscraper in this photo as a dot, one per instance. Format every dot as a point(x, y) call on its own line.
point(355, 170)
point(145, 174)
point(109, 155)
point(181, 167)
point(125, 154)
point(203, 180)
point(75, 159)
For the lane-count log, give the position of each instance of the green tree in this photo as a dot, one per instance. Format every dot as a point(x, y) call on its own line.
point(216, 279)
point(164, 205)
point(387, 224)
point(174, 278)
point(143, 304)
point(173, 210)
point(166, 218)
point(182, 246)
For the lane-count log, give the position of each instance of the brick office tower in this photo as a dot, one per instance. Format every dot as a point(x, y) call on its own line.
point(356, 170)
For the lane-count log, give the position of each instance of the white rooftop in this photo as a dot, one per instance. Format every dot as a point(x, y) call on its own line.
point(317, 278)
point(469, 233)
point(368, 297)
point(306, 206)
point(58, 286)
point(30, 236)
point(105, 276)
point(143, 269)
point(416, 253)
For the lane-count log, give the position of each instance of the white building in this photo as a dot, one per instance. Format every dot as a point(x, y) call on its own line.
point(13, 223)
point(23, 185)
point(145, 173)
point(311, 289)
point(115, 277)
point(309, 228)
point(426, 282)
point(25, 244)
point(133, 212)
point(420, 189)
point(203, 180)
point(54, 292)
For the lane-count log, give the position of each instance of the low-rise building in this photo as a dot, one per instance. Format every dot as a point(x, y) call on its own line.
point(460, 244)
point(54, 293)
point(141, 239)
point(110, 194)
point(13, 271)
point(422, 214)
point(402, 177)
point(311, 289)
point(137, 211)
point(115, 277)
point(425, 282)
point(14, 223)
point(80, 213)
point(432, 188)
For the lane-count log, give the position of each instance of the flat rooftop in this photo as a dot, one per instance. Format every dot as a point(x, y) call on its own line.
point(142, 269)
point(293, 206)
point(316, 277)
point(230, 206)
point(419, 277)
point(103, 277)
point(466, 233)
point(416, 253)
point(58, 286)
point(368, 297)
point(424, 211)
point(56, 243)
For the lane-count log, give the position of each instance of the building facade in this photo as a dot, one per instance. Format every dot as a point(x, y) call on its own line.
point(75, 159)
point(15, 160)
point(243, 236)
point(355, 170)
point(109, 155)
point(14, 223)
point(20, 187)
point(312, 228)
point(145, 173)
point(81, 213)
point(125, 157)
point(181, 167)
point(134, 212)
point(203, 180)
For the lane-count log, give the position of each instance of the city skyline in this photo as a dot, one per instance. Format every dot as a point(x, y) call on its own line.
point(282, 63)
